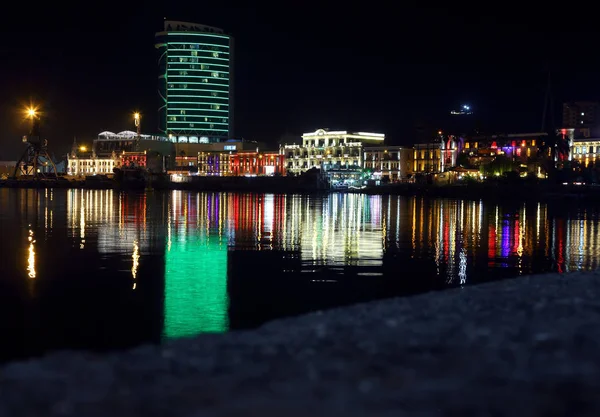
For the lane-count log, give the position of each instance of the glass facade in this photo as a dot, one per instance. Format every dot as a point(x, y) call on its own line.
point(195, 82)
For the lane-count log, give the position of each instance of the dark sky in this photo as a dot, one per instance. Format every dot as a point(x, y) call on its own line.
point(299, 66)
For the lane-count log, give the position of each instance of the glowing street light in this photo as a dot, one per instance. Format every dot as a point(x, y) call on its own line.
point(31, 112)
point(137, 118)
point(82, 148)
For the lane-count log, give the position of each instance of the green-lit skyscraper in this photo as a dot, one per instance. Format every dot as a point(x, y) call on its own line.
point(195, 82)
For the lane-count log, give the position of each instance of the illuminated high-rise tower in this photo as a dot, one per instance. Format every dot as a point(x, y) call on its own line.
point(195, 82)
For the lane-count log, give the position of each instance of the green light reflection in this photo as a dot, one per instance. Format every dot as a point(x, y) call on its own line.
point(196, 299)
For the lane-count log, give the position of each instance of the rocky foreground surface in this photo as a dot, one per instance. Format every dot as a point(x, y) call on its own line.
point(523, 347)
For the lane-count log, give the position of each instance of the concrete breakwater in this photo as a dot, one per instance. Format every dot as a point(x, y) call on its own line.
point(520, 347)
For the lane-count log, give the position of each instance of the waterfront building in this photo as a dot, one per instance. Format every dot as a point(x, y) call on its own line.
point(439, 155)
point(127, 141)
point(586, 151)
point(231, 145)
point(242, 163)
point(196, 86)
point(110, 150)
point(388, 163)
point(327, 150)
point(89, 163)
point(427, 158)
point(210, 158)
point(520, 147)
point(133, 159)
point(214, 163)
point(257, 163)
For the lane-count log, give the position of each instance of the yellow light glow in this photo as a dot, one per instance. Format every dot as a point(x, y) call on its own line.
point(82, 148)
point(136, 116)
point(31, 257)
point(136, 261)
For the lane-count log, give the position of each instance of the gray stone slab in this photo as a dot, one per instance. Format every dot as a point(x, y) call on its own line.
point(523, 347)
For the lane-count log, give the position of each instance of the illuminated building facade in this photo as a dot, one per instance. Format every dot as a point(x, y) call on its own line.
point(257, 163)
point(241, 163)
point(112, 150)
point(107, 142)
point(585, 151)
point(327, 150)
point(427, 158)
point(390, 163)
point(214, 163)
point(437, 156)
point(133, 159)
point(520, 147)
point(88, 163)
point(195, 82)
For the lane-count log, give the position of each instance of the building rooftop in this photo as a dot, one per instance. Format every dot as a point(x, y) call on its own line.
point(327, 132)
point(179, 26)
point(128, 135)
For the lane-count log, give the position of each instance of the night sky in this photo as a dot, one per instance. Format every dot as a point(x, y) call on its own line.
point(299, 67)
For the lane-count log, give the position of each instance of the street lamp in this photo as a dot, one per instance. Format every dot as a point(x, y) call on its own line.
point(82, 148)
point(33, 114)
point(137, 118)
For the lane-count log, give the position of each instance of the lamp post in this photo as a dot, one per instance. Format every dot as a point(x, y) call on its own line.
point(137, 118)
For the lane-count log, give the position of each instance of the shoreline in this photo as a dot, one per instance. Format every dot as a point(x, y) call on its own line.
point(291, 185)
point(535, 335)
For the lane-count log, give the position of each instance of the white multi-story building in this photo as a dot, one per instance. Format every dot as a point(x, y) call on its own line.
point(328, 150)
point(389, 163)
point(90, 164)
point(586, 151)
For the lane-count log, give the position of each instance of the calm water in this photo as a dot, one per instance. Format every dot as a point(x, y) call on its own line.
point(98, 269)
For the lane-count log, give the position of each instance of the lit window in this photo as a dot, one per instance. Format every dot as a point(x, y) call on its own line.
point(215, 54)
point(214, 74)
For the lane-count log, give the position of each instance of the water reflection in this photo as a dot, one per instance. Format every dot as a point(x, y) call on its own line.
point(195, 298)
point(185, 263)
point(31, 256)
